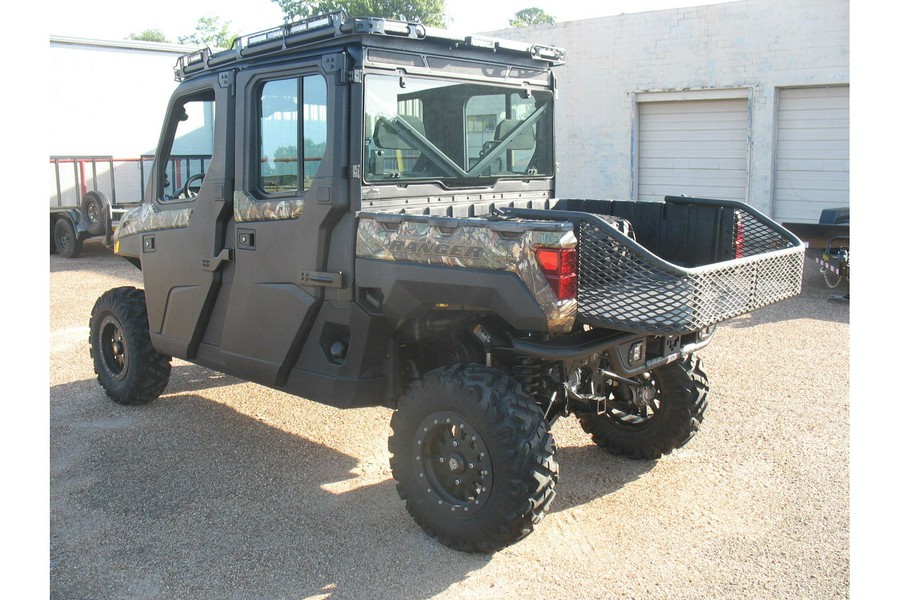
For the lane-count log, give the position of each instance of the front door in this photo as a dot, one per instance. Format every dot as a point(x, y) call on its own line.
point(184, 218)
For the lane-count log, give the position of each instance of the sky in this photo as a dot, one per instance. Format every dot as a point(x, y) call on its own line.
point(111, 20)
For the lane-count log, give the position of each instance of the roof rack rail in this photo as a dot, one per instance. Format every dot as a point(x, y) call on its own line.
point(331, 25)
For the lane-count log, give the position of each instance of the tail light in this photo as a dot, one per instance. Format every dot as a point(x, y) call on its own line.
point(739, 239)
point(560, 267)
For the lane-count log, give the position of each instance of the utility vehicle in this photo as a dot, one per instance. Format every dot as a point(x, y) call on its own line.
point(376, 225)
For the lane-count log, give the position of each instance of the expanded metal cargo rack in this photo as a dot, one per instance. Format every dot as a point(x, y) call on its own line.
point(723, 259)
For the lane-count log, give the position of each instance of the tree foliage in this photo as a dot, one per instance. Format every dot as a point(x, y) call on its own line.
point(210, 31)
point(150, 35)
point(429, 12)
point(531, 16)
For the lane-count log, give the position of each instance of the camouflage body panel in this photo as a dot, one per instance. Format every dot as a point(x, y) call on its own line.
point(147, 217)
point(475, 244)
point(246, 208)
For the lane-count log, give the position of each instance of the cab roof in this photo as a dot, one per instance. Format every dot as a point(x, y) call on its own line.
point(316, 31)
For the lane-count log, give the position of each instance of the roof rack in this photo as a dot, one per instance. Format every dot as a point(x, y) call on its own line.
point(303, 32)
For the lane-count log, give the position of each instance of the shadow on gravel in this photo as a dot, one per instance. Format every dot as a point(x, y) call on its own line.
point(589, 472)
point(187, 498)
point(194, 378)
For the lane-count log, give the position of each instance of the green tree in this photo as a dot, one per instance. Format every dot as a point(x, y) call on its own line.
point(429, 12)
point(210, 31)
point(531, 16)
point(150, 35)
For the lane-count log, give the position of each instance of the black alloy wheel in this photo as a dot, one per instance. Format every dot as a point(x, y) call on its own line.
point(127, 366)
point(662, 411)
point(473, 458)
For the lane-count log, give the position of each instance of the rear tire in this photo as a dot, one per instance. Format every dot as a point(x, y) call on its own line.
point(127, 366)
point(473, 458)
point(66, 238)
point(681, 391)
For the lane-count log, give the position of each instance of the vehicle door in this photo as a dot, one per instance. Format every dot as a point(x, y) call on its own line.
point(184, 217)
point(286, 203)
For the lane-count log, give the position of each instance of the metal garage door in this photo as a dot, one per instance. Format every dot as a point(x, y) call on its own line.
point(812, 160)
point(693, 148)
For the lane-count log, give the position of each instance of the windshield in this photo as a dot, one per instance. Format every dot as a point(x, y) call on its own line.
point(455, 133)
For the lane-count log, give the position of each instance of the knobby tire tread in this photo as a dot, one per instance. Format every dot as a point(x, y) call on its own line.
point(149, 370)
point(521, 443)
point(685, 390)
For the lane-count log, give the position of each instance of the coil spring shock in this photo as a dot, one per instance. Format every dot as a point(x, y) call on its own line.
point(527, 370)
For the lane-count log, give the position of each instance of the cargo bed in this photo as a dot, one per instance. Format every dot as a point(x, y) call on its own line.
point(675, 267)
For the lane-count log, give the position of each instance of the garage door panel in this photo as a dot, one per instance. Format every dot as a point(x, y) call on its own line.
point(812, 184)
point(677, 109)
point(817, 101)
point(824, 118)
point(704, 135)
point(788, 165)
point(692, 147)
point(691, 150)
point(651, 165)
point(795, 212)
point(813, 134)
point(706, 176)
point(833, 197)
point(690, 121)
point(656, 193)
point(818, 151)
point(812, 166)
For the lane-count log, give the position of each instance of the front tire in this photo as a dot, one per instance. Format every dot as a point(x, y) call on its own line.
point(665, 418)
point(473, 458)
point(127, 366)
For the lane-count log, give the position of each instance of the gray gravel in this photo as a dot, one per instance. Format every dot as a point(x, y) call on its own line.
point(225, 489)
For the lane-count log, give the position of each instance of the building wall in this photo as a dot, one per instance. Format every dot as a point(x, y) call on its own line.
point(755, 47)
point(109, 97)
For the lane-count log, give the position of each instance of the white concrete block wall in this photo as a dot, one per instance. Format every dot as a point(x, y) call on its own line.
point(761, 45)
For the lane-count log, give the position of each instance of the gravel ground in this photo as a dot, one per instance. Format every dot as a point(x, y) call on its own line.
point(226, 489)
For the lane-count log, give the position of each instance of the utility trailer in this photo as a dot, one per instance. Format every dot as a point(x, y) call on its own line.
point(378, 226)
point(90, 194)
point(829, 244)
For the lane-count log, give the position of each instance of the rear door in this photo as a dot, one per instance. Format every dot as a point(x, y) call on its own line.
point(285, 207)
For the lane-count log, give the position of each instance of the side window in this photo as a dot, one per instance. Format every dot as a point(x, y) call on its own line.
point(292, 134)
point(190, 147)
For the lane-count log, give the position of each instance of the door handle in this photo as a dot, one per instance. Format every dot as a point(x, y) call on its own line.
point(213, 264)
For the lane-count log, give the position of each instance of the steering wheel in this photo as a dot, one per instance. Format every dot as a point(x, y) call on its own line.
point(189, 191)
